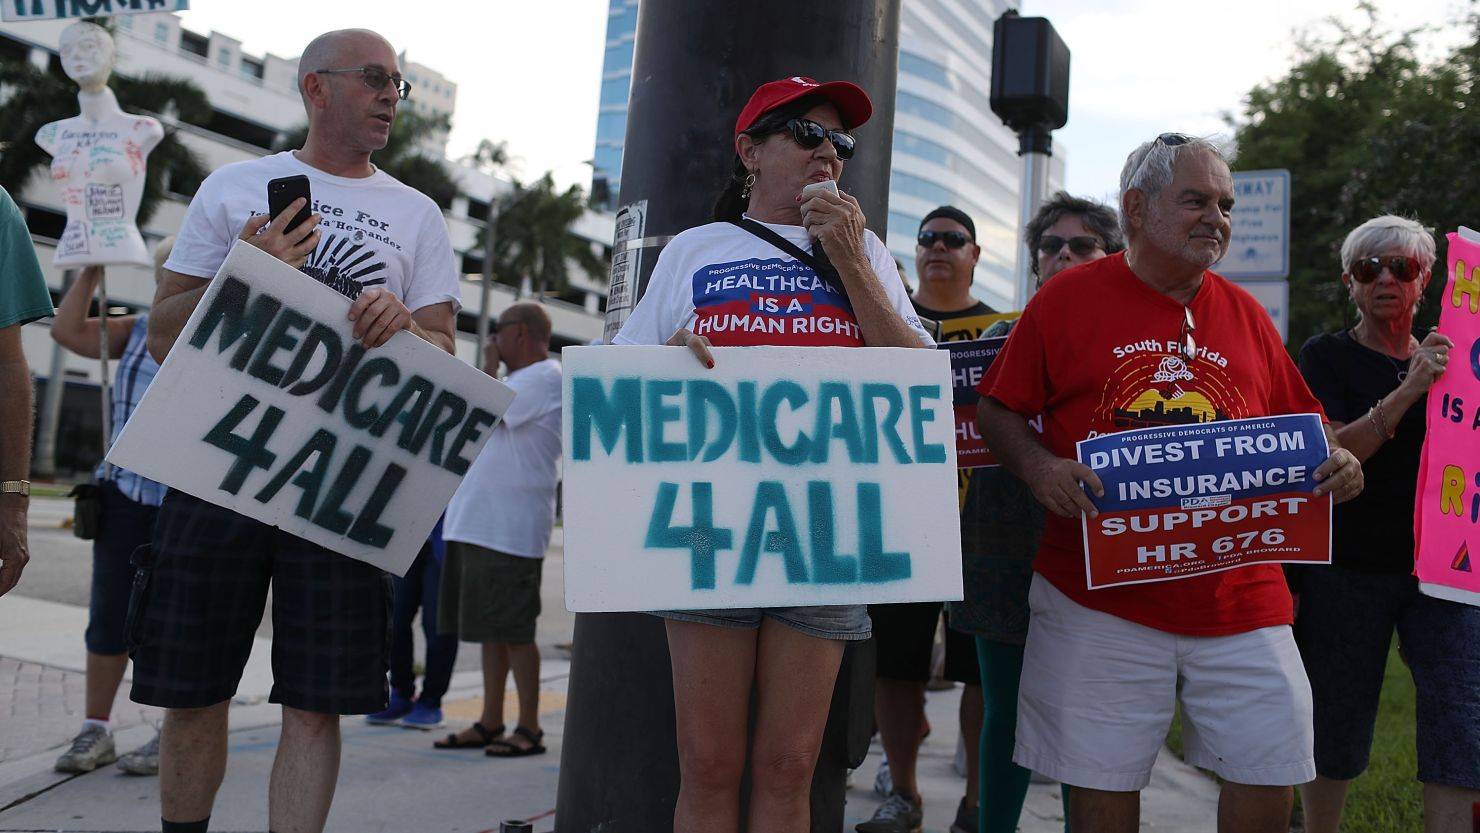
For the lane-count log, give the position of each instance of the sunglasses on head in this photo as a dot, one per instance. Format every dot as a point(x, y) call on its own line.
point(809, 134)
point(1082, 246)
point(1369, 269)
point(952, 239)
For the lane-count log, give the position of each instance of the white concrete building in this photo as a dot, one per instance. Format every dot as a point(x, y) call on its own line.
point(254, 99)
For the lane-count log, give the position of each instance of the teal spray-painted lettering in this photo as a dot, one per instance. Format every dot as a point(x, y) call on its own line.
point(772, 529)
point(669, 421)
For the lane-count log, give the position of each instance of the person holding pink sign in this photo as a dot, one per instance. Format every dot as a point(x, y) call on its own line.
point(1149, 337)
point(1373, 380)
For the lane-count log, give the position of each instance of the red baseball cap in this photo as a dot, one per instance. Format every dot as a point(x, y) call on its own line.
point(852, 102)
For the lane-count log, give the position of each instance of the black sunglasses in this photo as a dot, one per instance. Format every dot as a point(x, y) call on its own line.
point(1083, 246)
point(809, 134)
point(375, 78)
point(1369, 269)
point(952, 239)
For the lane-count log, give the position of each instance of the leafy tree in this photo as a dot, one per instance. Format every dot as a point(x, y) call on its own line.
point(1365, 127)
point(532, 238)
point(31, 97)
point(402, 156)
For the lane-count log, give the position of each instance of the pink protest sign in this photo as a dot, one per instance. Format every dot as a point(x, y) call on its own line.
point(1446, 519)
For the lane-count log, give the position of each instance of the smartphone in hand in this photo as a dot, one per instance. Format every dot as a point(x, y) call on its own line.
point(282, 191)
point(829, 185)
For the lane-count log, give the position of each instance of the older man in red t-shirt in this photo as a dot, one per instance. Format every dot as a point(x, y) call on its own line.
point(1104, 668)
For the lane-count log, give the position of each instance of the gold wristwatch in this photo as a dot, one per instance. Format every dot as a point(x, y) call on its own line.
point(16, 487)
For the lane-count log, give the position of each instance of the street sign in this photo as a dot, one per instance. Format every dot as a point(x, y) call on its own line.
point(1275, 296)
point(1260, 247)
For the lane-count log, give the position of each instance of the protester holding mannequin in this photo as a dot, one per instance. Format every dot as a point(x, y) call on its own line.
point(98, 158)
point(1373, 381)
point(791, 133)
point(129, 505)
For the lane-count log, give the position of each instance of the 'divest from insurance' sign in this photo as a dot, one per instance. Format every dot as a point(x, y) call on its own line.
point(267, 406)
point(783, 476)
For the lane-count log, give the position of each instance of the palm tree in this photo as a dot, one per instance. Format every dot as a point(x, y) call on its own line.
point(532, 238)
point(31, 97)
point(402, 156)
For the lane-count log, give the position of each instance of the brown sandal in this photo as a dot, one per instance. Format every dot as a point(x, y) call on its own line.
point(485, 737)
point(505, 748)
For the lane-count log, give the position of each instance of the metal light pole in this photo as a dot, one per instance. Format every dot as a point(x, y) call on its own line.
point(694, 68)
point(1030, 92)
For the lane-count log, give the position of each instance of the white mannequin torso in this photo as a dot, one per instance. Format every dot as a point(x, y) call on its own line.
point(98, 159)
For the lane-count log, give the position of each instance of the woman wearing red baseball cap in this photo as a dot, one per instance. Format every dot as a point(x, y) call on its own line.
point(826, 280)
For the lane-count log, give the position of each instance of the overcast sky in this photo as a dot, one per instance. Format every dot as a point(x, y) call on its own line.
point(529, 72)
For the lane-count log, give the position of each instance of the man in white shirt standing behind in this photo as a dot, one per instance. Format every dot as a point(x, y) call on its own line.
point(497, 529)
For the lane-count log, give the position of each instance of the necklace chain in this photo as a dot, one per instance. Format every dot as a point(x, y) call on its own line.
point(1400, 366)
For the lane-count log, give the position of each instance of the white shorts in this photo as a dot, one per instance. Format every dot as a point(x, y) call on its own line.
point(1098, 694)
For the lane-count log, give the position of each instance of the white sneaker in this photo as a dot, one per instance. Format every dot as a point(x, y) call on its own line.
point(896, 815)
point(142, 761)
point(92, 748)
point(883, 781)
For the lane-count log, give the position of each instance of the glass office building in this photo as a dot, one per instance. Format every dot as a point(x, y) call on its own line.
point(949, 148)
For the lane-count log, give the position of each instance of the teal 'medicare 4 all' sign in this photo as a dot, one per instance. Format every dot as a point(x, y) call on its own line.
point(783, 476)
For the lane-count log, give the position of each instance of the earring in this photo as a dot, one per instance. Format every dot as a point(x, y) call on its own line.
point(749, 183)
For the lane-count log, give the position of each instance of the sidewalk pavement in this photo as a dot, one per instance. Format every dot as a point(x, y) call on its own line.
point(391, 780)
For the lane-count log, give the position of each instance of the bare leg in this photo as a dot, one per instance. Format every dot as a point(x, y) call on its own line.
point(1101, 811)
point(713, 668)
point(495, 680)
point(1245, 808)
point(1324, 799)
point(795, 675)
point(104, 673)
point(304, 772)
point(899, 711)
point(1448, 808)
point(192, 761)
point(970, 714)
point(524, 659)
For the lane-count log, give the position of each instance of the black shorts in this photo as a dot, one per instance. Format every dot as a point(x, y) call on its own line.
point(904, 634)
point(198, 597)
point(488, 596)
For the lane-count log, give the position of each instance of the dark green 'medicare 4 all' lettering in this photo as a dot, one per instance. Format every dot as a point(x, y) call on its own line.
point(279, 346)
point(861, 422)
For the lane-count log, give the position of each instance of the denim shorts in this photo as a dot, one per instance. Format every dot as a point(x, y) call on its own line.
point(849, 623)
point(1345, 629)
point(126, 526)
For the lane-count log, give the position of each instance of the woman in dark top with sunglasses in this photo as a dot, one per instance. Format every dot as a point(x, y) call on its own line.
point(791, 134)
point(1372, 381)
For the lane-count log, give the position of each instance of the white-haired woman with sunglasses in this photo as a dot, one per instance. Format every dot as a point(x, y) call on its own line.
point(791, 134)
point(1372, 381)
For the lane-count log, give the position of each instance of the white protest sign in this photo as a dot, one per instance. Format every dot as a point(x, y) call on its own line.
point(17, 10)
point(268, 407)
point(783, 476)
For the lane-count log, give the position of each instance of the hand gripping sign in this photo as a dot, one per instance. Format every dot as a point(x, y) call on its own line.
point(783, 476)
point(1186, 500)
point(1446, 528)
point(267, 406)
